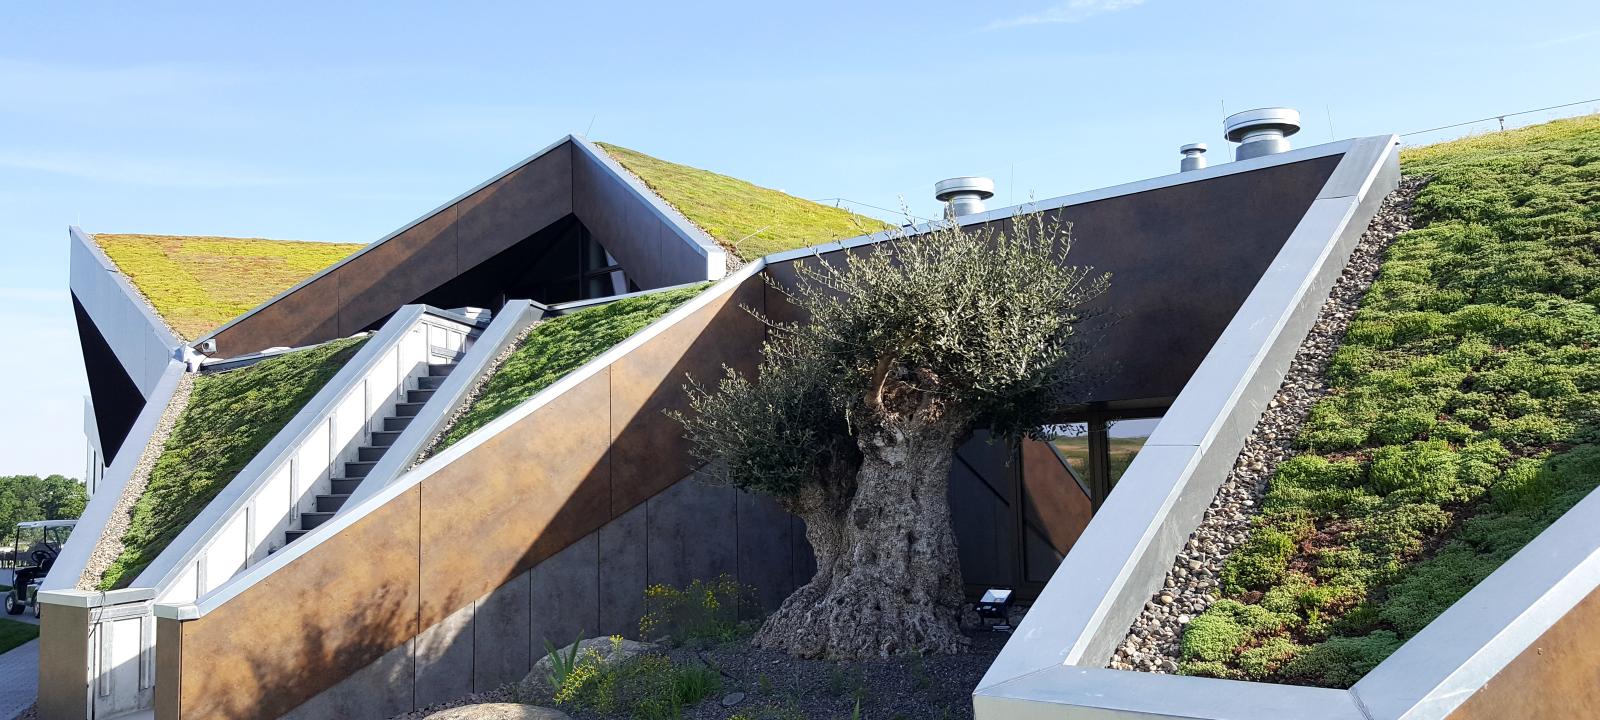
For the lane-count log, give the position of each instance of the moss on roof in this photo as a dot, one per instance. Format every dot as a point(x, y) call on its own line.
point(230, 417)
point(558, 346)
point(1463, 419)
point(748, 220)
point(197, 283)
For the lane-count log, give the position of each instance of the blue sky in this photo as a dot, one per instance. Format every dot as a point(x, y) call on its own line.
point(342, 121)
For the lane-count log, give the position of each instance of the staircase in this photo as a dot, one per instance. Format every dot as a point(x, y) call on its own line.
point(367, 455)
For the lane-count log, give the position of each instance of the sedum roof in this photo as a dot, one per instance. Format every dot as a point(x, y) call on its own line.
point(746, 219)
point(197, 283)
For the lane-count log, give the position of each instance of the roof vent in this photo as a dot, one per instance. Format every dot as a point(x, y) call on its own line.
point(1264, 131)
point(1194, 157)
point(965, 195)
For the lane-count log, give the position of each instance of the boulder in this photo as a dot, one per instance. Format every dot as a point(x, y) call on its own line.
point(499, 711)
point(610, 654)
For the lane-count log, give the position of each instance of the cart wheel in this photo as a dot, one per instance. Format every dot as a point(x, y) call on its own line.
point(36, 609)
point(12, 606)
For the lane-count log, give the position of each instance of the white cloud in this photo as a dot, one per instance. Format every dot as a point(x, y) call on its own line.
point(1068, 11)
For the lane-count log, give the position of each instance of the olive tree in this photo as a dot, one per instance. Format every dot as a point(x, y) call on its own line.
point(855, 412)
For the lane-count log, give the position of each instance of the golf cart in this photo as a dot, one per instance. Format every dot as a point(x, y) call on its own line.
point(43, 540)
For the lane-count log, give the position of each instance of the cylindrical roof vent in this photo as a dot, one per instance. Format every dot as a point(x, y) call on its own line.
point(1264, 131)
point(1194, 157)
point(965, 195)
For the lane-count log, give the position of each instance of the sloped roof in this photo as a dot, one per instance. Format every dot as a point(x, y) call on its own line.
point(196, 283)
point(746, 219)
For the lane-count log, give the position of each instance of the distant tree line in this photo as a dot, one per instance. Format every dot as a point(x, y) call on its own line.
point(30, 497)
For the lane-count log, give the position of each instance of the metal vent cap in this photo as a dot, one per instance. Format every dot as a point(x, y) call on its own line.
point(1263, 131)
point(964, 194)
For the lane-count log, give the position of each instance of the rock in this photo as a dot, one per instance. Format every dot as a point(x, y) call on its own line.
point(499, 711)
point(732, 699)
point(610, 654)
point(1166, 599)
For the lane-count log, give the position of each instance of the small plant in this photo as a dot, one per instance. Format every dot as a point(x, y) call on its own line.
point(561, 666)
point(701, 613)
point(836, 679)
point(693, 683)
point(919, 672)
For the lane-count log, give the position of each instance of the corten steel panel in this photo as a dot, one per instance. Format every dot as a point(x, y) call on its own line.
point(1558, 676)
point(535, 488)
point(1183, 259)
point(307, 315)
point(380, 280)
point(1055, 504)
point(63, 655)
point(515, 206)
point(649, 452)
point(331, 612)
point(169, 667)
point(619, 221)
point(413, 262)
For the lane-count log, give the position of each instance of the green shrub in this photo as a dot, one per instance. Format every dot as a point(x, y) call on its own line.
point(1341, 661)
point(702, 612)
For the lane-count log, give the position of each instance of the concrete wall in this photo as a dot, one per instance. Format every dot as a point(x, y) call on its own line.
point(592, 587)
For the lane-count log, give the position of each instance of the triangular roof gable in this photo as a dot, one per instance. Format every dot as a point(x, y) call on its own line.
point(645, 234)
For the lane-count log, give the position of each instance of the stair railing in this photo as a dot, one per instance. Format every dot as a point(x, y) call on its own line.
point(246, 521)
point(506, 328)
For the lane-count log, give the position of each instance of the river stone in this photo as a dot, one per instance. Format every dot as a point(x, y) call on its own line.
point(499, 711)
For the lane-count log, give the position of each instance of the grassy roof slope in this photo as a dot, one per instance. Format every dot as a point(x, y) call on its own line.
point(748, 220)
point(198, 283)
point(231, 416)
point(558, 346)
point(1463, 418)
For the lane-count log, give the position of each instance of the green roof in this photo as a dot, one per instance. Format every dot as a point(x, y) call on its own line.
point(746, 219)
point(197, 283)
point(558, 346)
point(230, 417)
point(1459, 424)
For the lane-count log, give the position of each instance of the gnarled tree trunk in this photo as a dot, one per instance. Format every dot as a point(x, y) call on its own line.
point(888, 578)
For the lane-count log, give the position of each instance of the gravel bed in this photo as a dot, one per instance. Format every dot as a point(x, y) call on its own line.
point(109, 546)
point(775, 685)
point(1152, 644)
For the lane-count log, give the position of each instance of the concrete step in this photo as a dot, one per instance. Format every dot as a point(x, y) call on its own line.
point(331, 503)
point(345, 486)
point(441, 370)
point(407, 409)
point(290, 536)
point(371, 452)
point(359, 468)
point(310, 520)
point(418, 396)
point(430, 382)
point(396, 424)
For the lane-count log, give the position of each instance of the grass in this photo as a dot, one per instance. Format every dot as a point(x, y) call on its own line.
point(1461, 420)
point(231, 416)
point(558, 346)
point(198, 283)
point(747, 219)
point(14, 634)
